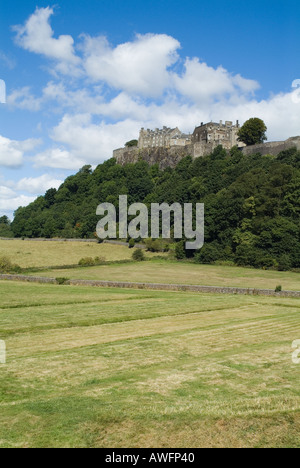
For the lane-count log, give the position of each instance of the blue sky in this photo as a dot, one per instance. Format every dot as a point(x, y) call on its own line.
point(82, 78)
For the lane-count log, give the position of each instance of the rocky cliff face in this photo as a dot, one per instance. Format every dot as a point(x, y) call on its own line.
point(164, 157)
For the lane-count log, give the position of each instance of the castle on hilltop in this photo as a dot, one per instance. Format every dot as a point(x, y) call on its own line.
point(206, 137)
point(201, 142)
point(167, 146)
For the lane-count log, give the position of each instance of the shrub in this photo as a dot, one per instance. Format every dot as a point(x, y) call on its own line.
point(180, 250)
point(6, 266)
point(138, 255)
point(89, 261)
point(157, 245)
point(278, 288)
point(86, 261)
point(265, 262)
point(209, 253)
point(99, 260)
point(131, 243)
point(247, 255)
point(62, 281)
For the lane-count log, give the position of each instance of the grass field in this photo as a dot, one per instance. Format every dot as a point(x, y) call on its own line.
point(122, 368)
point(43, 254)
point(160, 271)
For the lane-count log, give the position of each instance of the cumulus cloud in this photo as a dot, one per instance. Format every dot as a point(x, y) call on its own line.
point(21, 193)
point(91, 141)
point(37, 185)
point(8, 205)
point(6, 193)
point(36, 35)
point(12, 152)
point(82, 99)
point(23, 99)
point(137, 67)
point(202, 83)
point(58, 158)
point(280, 113)
point(80, 142)
point(59, 96)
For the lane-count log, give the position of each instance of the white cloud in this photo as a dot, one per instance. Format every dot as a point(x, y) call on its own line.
point(37, 185)
point(82, 99)
point(137, 67)
point(36, 35)
point(60, 97)
point(8, 205)
point(12, 152)
point(58, 158)
point(8, 61)
point(83, 142)
point(280, 113)
point(14, 194)
point(23, 99)
point(202, 83)
point(6, 193)
point(93, 142)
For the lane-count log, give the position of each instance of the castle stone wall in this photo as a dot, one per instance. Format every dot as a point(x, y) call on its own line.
point(273, 147)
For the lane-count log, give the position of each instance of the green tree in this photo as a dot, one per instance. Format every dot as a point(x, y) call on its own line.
point(253, 132)
point(50, 197)
point(131, 143)
point(138, 255)
point(4, 220)
point(180, 250)
point(5, 229)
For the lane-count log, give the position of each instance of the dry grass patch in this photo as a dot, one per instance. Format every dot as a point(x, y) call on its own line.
point(43, 254)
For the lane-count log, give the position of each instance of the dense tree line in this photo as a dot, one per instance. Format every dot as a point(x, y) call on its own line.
point(252, 204)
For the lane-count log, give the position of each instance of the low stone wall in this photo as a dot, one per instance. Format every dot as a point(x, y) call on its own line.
point(156, 286)
point(28, 279)
point(184, 287)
